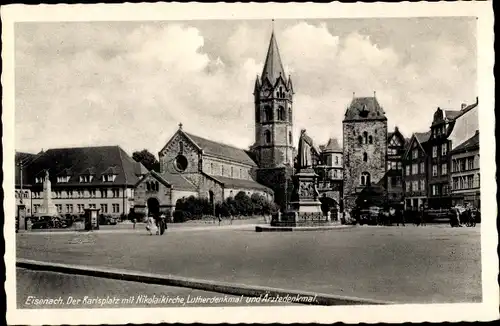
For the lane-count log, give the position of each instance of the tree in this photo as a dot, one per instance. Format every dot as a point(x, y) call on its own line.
point(147, 159)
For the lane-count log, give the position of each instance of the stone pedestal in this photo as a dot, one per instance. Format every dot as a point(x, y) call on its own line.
point(47, 208)
point(305, 208)
point(305, 194)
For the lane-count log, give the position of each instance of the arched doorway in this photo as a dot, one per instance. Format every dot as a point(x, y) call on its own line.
point(328, 204)
point(153, 206)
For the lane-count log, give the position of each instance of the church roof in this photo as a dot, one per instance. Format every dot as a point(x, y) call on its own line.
point(223, 151)
point(273, 67)
point(470, 144)
point(176, 181)
point(364, 108)
point(241, 183)
point(85, 160)
point(331, 146)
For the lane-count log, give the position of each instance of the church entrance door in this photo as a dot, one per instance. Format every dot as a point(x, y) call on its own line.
point(153, 207)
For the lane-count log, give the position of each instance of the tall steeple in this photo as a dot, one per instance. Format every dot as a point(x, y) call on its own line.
point(273, 95)
point(273, 68)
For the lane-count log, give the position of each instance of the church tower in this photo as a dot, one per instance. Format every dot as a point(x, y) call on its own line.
point(273, 94)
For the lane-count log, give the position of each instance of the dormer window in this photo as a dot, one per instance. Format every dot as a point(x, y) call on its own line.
point(86, 178)
point(38, 180)
point(63, 179)
point(108, 177)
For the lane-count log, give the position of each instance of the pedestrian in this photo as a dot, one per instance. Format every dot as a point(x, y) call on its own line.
point(220, 219)
point(162, 224)
point(151, 225)
point(134, 222)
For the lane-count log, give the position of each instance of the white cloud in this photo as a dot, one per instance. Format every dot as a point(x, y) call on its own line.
point(103, 85)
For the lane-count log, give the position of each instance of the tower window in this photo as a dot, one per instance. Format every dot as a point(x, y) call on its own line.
point(365, 137)
point(290, 140)
point(370, 139)
point(269, 113)
point(365, 157)
point(257, 115)
point(281, 113)
point(360, 140)
point(267, 136)
point(290, 115)
point(365, 179)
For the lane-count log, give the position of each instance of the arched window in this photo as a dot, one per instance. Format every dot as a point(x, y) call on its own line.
point(157, 186)
point(181, 147)
point(282, 95)
point(232, 172)
point(148, 186)
point(360, 140)
point(290, 140)
point(365, 137)
point(370, 139)
point(281, 113)
point(365, 157)
point(267, 136)
point(257, 114)
point(269, 113)
point(365, 179)
point(290, 115)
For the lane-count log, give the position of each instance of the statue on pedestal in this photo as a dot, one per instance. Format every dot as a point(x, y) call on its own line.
point(304, 160)
point(48, 208)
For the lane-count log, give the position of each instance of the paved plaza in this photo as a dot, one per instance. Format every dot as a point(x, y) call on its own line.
point(431, 264)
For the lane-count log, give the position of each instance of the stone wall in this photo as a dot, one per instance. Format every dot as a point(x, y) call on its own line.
point(354, 152)
point(219, 167)
point(179, 145)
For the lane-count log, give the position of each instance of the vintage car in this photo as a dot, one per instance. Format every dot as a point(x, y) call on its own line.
point(369, 215)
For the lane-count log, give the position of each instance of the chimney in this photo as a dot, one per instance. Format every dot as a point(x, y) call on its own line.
point(463, 106)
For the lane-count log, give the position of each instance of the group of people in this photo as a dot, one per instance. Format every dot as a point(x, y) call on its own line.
point(156, 225)
point(467, 216)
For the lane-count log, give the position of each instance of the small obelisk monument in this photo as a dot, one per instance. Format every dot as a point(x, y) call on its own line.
point(47, 208)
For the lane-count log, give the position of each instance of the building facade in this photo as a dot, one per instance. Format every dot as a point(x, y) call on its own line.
point(415, 174)
point(396, 146)
point(465, 173)
point(365, 147)
point(87, 177)
point(22, 184)
point(449, 128)
point(330, 170)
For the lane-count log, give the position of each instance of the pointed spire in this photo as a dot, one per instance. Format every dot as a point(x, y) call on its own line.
point(273, 67)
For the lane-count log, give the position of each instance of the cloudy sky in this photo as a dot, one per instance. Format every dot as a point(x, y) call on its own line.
point(131, 83)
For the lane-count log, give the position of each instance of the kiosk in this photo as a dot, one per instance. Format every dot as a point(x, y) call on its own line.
point(91, 219)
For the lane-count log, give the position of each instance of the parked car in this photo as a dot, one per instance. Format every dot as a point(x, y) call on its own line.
point(369, 215)
point(107, 220)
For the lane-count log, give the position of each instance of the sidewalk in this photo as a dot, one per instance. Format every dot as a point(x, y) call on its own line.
point(141, 228)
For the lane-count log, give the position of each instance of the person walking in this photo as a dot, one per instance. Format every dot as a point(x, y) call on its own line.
point(151, 226)
point(162, 223)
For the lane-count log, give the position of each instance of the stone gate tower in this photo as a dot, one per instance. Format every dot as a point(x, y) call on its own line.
point(365, 147)
point(273, 94)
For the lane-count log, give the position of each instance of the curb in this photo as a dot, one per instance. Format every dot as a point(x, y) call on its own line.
point(300, 228)
point(199, 284)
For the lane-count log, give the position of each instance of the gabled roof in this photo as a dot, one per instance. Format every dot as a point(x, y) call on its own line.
point(470, 144)
point(331, 146)
point(420, 138)
point(273, 67)
point(85, 160)
point(220, 150)
point(241, 183)
point(176, 181)
point(423, 137)
point(364, 108)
